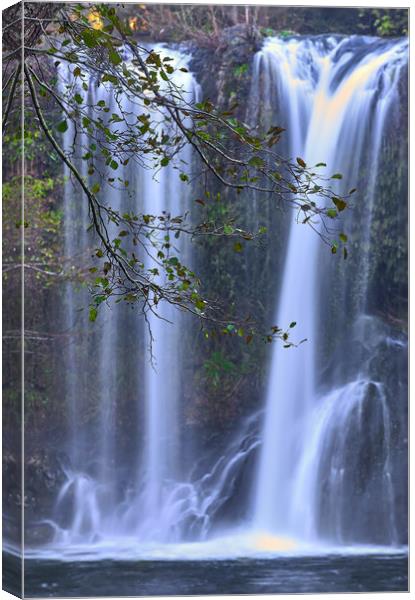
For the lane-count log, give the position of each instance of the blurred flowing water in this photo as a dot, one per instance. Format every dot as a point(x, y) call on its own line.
point(336, 99)
point(317, 463)
point(93, 497)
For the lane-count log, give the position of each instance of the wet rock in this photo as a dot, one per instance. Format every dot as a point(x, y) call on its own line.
point(39, 534)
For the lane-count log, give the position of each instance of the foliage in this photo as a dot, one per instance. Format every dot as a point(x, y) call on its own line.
point(286, 33)
point(203, 23)
point(44, 269)
point(216, 365)
point(92, 45)
point(384, 22)
point(268, 32)
point(42, 228)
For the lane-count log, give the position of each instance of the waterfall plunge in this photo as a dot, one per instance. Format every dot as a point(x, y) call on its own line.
point(334, 97)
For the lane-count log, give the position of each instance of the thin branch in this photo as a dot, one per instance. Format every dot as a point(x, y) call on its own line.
point(11, 97)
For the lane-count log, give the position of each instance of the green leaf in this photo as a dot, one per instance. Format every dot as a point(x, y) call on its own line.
point(95, 188)
point(340, 204)
point(90, 38)
point(62, 126)
point(332, 213)
point(343, 237)
point(78, 98)
point(93, 312)
point(153, 58)
point(321, 164)
point(256, 161)
point(237, 247)
point(114, 164)
point(240, 70)
point(110, 78)
point(228, 229)
point(301, 162)
point(114, 57)
point(337, 176)
point(164, 161)
point(293, 324)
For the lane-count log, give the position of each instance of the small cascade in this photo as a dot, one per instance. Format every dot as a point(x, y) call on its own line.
point(338, 437)
point(192, 509)
point(335, 96)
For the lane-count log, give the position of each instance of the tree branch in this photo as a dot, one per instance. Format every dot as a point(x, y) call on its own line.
point(11, 97)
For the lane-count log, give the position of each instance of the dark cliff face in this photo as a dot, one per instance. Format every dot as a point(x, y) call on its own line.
point(224, 71)
point(388, 294)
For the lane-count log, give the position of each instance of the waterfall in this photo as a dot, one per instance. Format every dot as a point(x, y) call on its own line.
point(317, 462)
point(335, 97)
point(164, 192)
point(91, 505)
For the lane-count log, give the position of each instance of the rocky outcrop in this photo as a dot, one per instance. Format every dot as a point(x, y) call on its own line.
point(43, 478)
point(224, 72)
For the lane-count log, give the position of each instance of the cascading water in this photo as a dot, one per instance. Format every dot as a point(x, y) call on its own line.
point(335, 97)
point(97, 509)
point(163, 192)
point(90, 495)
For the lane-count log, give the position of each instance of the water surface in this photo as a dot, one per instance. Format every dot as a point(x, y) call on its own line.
point(309, 574)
